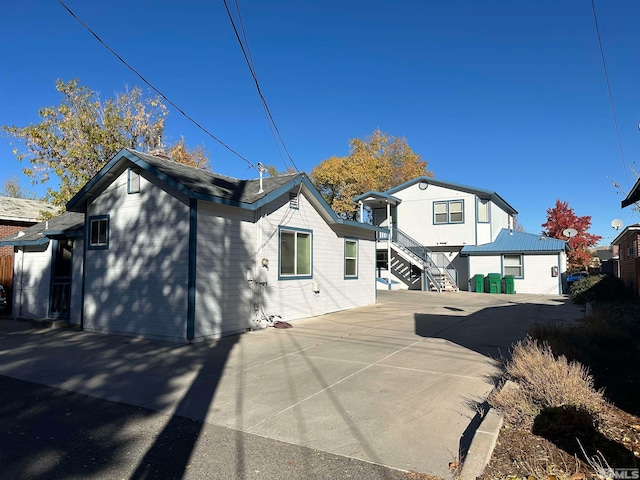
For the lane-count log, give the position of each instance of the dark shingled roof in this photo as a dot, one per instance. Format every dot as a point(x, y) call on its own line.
point(214, 184)
point(67, 224)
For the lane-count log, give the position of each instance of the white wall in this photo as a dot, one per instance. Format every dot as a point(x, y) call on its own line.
point(536, 269)
point(138, 286)
point(32, 281)
point(415, 217)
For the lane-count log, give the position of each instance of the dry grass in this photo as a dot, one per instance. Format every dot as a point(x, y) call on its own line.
point(544, 381)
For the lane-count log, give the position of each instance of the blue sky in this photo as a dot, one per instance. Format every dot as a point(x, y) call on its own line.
point(503, 95)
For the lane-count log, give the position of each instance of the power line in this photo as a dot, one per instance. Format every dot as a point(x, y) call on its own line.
point(154, 88)
point(606, 76)
point(244, 46)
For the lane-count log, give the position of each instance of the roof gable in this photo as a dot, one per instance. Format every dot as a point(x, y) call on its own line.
point(206, 186)
point(517, 242)
point(481, 193)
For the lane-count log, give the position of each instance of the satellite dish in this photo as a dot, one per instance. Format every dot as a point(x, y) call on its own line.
point(570, 232)
point(616, 223)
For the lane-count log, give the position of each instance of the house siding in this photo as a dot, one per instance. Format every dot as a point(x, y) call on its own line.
point(75, 306)
point(224, 253)
point(499, 220)
point(537, 277)
point(415, 216)
point(32, 281)
point(138, 286)
point(295, 298)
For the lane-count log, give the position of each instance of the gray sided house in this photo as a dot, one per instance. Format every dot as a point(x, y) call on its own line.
point(175, 253)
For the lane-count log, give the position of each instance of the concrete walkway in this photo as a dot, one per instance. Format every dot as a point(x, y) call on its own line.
point(396, 383)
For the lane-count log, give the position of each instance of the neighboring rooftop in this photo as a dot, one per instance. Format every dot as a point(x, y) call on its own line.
point(69, 224)
point(24, 210)
point(517, 242)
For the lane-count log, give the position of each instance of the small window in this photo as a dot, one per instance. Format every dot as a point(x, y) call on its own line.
point(295, 253)
point(382, 259)
point(483, 211)
point(350, 259)
point(133, 181)
point(512, 265)
point(451, 211)
point(99, 232)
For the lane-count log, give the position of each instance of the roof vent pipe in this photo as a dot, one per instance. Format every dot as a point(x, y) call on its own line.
point(260, 170)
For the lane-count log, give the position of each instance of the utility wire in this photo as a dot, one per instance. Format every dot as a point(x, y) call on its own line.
point(606, 76)
point(154, 88)
point(247, 57)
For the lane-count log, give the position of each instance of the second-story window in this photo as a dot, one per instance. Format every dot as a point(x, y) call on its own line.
point(451, 211)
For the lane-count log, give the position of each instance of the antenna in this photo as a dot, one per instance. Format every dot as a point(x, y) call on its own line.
point(570, 232)
point(616, 223)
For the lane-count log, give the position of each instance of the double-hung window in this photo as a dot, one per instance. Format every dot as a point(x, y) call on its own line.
point(295, 253)
point(451, 211)
point(512, 265)
point(350, 258)
point(99, 232)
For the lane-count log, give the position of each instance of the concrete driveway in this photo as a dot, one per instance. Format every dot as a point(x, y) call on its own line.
point(396, 383)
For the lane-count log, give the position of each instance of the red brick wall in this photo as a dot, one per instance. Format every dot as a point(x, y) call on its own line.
point(629, 264)
point(9, 228)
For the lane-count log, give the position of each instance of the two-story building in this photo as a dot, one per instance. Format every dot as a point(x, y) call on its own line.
point(436, 230)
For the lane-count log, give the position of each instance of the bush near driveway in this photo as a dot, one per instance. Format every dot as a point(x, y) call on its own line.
point(540, 441)
point(598, 288)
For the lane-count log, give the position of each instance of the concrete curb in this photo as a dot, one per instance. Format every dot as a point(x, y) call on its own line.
point(482, 445)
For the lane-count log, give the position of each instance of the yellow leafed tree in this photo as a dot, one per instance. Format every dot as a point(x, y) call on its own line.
point(379, 162)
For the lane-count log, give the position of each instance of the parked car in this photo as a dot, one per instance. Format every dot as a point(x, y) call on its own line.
point(575, 276)
point(3, 299)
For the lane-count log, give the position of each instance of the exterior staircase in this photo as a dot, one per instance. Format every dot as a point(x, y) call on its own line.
point(435, 271)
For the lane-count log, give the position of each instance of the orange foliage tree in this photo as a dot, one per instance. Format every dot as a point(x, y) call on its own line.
point(379, 162)
point(562, 217)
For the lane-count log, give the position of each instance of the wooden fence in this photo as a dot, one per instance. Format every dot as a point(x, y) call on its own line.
point(6, 276)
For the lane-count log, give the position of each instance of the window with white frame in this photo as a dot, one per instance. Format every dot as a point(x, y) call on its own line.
point(451, 211)
point(351, 258)
point(512, 265)
point(133, 181)
point(483, 211)
point(295, 253)
point(99, 232)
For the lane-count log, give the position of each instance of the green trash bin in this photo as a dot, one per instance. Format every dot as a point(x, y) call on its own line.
point(478, 278)
point(509, 284)
point(495, 283)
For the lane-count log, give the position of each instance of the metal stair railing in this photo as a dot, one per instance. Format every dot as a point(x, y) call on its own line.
point(421, 253)
point(447, 268)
